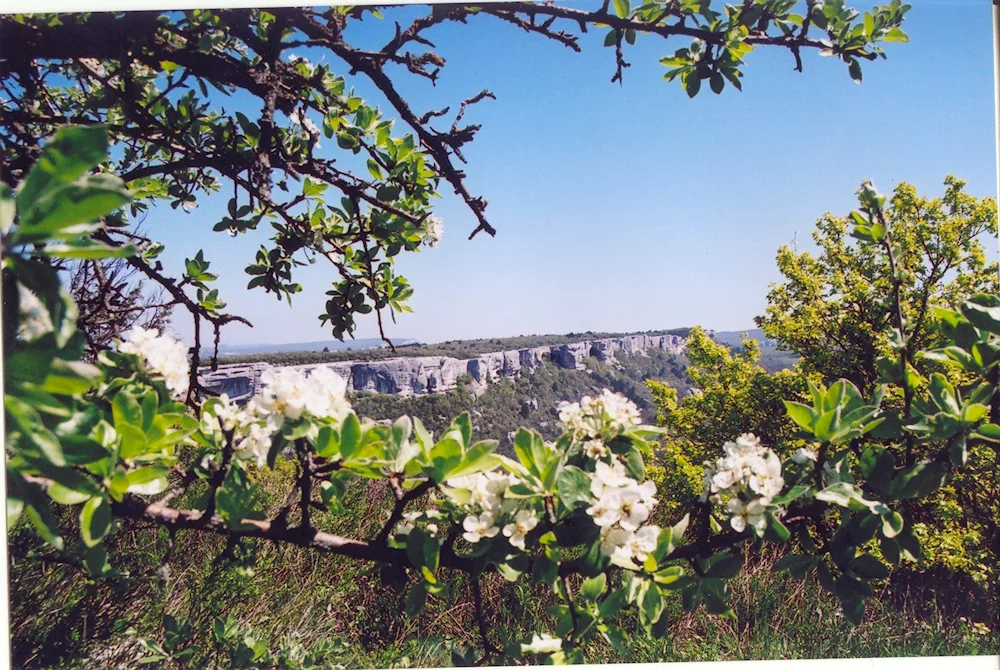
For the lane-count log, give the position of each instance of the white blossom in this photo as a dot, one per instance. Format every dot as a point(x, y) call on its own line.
point(35, 320)
point(486, 490)
point(161, 354)
point(803, 456)
point(607, 414)
point(300, 119)
point(94, 66)
point(607, 476)
point(542, 644)
point(289, 392)
point(478, 527)
point(636, 503)
point(750, 475)
point(606, 511)
point(595, 449)
point(752, 514)
point(612, 538)
point(639, 544)
point(524, 521)
point(433, 230)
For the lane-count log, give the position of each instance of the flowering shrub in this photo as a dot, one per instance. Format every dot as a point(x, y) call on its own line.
point(116, 440)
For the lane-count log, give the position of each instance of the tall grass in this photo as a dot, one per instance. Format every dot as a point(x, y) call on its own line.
point(60, 619)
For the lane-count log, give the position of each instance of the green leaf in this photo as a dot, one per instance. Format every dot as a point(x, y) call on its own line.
point(869, 567)
point(70, 210)
point(88, 250)
point(65, 495)
point(717, 82)
point(573, 485)
point(69, 155)
point(133, 441)
point(125, 409)
point(95, 559)
point(692, 83)
point(350, 436)
point(726, 566)
point(892, 524)
point(149, 480)
point(415, 599)
point(840, 493)
point(854, 69)
point(592, 588)
point(796, 565)
point(622, 8)
point(478, 459)
point(8, 206)
point(612, 604)
point(33, 430)
point(896, 35)
point(801, 414)
point(95, 521)
point(445, 456)
point(918, 481)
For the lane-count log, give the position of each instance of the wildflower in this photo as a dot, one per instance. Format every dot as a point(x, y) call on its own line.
point(524, 521)
point(478, 527)
point(161, 354)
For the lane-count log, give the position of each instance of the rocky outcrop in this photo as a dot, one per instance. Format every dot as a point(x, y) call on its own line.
point(431, 374)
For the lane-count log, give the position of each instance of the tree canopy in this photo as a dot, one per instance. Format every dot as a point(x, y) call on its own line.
point(165, 85)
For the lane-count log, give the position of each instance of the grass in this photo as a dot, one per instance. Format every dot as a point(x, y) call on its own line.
point(59, 619)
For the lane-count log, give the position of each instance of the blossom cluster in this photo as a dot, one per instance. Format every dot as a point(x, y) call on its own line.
point(489, 507)
point(287, 393)
point(161, 354)
point(751, 473)
point(592, 419)
point(620, 508)
point(300, 119)
point(433, 230)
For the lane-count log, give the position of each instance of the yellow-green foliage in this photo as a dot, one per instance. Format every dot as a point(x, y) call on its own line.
point(677, 479)
point(832, 308)
point(734, 395)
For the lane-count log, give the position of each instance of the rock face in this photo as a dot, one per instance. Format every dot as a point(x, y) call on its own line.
point(431, 374)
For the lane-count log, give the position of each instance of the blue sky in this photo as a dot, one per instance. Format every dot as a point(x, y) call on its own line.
point(624, 208)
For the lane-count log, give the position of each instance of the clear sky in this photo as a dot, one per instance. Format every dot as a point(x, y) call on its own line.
point(625, 208)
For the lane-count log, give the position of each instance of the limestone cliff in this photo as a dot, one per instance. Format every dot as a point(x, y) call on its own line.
point(430, 374)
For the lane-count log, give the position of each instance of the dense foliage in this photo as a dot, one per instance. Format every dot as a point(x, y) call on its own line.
point(574, 515)
point(99, 451)
point(162, 83)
